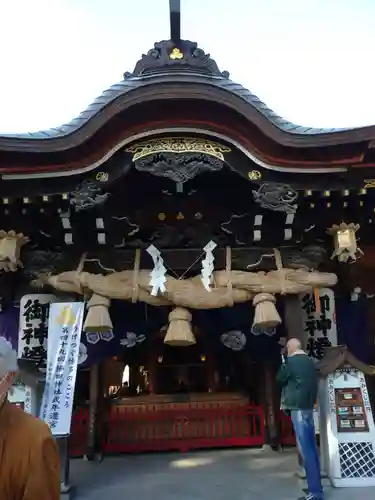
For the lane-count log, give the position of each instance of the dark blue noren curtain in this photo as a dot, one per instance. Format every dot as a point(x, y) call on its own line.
point(138, 318)
point(214, 322)
point(353, 327)
point(9, 324)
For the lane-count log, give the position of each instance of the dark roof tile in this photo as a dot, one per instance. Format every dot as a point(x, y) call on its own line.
point(123, 87)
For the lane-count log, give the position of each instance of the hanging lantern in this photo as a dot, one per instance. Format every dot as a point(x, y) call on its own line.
point(345, 242)
point(10, 250)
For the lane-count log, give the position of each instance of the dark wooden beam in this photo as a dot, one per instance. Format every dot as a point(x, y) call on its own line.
point(178, 260)
point(175, 20)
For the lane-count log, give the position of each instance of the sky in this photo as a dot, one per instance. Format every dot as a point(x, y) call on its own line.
point(309, 60)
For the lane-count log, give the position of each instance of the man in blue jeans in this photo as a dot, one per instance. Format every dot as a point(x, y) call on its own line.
point(298, 379)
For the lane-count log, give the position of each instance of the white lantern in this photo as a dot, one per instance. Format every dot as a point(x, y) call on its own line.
point(345, 242)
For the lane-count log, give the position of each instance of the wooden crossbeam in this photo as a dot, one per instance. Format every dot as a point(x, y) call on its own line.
point(250, 259)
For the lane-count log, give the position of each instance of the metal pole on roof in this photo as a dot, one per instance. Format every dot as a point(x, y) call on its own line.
point(175, 19)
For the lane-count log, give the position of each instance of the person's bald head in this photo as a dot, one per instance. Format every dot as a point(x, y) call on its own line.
point(293, 345)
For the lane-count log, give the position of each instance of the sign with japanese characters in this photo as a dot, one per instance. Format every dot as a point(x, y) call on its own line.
point(319, 321)
point(33, 327)
point(65, 328)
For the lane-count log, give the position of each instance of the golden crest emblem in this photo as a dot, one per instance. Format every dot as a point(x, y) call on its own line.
point(176, 54)
point(102, 176)
point(254, 175)
point(66, 317)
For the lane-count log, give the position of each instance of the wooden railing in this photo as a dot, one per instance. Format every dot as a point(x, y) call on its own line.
point(136, 430)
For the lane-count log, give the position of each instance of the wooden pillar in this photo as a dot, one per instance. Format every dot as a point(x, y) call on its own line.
point(96, 413)
point(152, 373)
point(294, 320)
point(133, 377)
point(271, 406)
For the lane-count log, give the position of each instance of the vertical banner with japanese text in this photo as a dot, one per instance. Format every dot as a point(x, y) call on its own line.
point(319, 321)
point(64, 336)
point(33, 327)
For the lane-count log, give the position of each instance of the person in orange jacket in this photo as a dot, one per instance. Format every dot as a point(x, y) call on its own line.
point(30, 462)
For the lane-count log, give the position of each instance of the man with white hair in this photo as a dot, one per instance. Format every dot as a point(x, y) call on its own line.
point(299, 381)
point(30, 464)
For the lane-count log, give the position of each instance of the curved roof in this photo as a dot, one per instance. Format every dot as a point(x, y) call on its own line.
point(190, 68)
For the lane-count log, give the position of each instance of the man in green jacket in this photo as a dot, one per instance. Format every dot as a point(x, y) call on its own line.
point(298, 379)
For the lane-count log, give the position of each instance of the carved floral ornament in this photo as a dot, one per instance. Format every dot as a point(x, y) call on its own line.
point(345, 242)
point(178, 158)
point(166, 57)
point(178, 145)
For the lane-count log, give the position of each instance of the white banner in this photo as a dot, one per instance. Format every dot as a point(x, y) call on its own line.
point(33, 326)
point(64, 328)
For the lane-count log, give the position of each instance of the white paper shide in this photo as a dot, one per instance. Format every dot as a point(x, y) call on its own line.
point(157, 275)
point(208, 265)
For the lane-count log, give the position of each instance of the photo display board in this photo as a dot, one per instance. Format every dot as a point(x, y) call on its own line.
point(350, 411)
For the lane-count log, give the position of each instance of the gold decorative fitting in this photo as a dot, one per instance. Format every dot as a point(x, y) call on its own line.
point(254, 175)
point(5, 201)
point(65, 196)
point(177, 145)
point(312, 205)
point(327, 193)
point(26, 200)
point(369, 183)
point(345, 242)
point(363, 191)
point(45, 198)
point(102, 176)
point(308, 192)
point(176, 54)
point(180, 216)
point(346, 192)
point(161, 216)
point(328, 205)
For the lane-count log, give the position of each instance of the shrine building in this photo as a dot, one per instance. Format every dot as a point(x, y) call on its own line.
point(202, 230)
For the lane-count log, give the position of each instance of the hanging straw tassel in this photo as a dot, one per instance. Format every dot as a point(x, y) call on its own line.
point(98, 319)
point(179, 333)
point(266, 315)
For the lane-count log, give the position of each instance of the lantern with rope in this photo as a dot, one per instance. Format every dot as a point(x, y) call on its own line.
point(345, 242)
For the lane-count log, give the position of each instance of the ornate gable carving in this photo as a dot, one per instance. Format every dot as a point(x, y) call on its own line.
point(168, 57)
